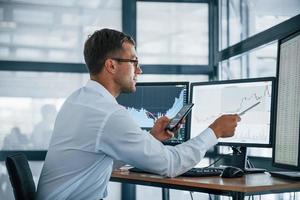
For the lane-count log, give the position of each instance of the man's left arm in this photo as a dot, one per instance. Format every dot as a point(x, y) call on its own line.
point(159, 130)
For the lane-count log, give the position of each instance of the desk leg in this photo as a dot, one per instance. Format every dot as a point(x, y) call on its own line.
point(238, 196)
point(165, 194)
point(128, 191)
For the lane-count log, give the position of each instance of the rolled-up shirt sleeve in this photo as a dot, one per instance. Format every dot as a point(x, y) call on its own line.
point(122, 139)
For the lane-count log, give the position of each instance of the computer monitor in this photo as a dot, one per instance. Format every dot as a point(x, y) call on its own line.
point(212, 99)
point(286, 148)
point(152, 100)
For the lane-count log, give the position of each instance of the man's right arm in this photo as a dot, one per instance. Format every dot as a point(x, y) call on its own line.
point(122, 139)
point(225, 125)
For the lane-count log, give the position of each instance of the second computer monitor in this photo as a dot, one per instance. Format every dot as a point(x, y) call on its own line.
point(212, 99)
point(286, 149)
point(152, 100)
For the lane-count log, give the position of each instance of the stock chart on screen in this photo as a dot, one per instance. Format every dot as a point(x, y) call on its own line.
point(154, 100)
point(214, 99)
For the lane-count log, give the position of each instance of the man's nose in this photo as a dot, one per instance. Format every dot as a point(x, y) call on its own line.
point(138, 70)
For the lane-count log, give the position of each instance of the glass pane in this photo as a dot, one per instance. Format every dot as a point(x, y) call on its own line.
point(29, 102)
point(53, 31)
point(260, 62)
point(172, 33)
point(240, 19)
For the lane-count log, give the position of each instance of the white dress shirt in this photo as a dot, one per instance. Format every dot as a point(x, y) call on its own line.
point(92, 130)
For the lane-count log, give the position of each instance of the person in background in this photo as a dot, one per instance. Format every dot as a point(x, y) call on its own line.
point(42, 131)
point(92, 129)
point(15, 140)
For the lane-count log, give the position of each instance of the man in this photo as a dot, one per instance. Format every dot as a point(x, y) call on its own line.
point(92, 129)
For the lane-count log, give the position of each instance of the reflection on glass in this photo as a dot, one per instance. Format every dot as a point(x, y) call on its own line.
point(53, 31)
point(42, 131)
point(240, 19)
point(15, 140)
point(29, 102)
point(172, 33)
point(28, 125)
point(260, 62)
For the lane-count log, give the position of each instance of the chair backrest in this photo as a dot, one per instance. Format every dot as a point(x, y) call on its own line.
point(20, 177)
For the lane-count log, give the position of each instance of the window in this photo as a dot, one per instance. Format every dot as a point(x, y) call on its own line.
point(260, 62)
point(29, 102)
point(53, 31)
point(172, 33)
point(240, 19)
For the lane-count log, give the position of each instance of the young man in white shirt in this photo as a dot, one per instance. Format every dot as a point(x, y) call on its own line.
point(92, 129)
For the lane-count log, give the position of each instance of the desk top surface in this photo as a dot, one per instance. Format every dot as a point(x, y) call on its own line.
point(249, 183)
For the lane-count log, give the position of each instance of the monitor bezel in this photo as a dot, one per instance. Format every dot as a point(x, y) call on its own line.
point(280, 165)
point(187, 123)
point(235, 81)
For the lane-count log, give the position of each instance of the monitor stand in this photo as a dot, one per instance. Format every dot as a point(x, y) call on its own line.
point(239, 159)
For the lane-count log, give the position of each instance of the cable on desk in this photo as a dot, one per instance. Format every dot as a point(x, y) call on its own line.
point(250, 164)
point(218, 159)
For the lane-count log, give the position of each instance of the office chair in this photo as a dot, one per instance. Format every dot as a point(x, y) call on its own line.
point(20, 177)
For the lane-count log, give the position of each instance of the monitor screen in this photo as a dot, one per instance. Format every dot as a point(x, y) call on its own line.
point(212, 99)
point(287, 140)
point(155, 99)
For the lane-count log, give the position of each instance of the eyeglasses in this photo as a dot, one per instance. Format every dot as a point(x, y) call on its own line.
point(134, 62)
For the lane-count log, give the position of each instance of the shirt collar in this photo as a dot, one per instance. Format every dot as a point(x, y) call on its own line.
point(100, 89)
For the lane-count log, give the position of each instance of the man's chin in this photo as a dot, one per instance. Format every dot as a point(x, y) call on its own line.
point(129, 90)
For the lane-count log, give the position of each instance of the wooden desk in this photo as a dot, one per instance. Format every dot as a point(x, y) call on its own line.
point(238, 188)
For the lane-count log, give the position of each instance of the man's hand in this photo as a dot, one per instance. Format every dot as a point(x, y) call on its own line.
point(159, 129)
point(225, 125)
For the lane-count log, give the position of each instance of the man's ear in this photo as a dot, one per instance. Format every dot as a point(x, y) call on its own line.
point(110, 66)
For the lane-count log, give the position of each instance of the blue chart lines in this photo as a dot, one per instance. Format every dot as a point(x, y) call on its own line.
point(146, 118)
point(153, 101)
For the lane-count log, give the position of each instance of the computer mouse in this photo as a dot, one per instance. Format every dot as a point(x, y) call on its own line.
point(232, 172)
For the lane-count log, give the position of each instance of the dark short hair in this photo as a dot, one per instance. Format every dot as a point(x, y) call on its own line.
point(102, 44)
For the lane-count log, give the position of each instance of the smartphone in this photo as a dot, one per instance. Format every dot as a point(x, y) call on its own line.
point(183, 112)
